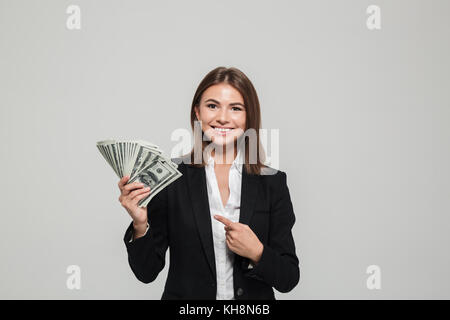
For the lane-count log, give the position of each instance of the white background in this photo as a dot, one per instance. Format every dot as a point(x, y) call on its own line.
point(363, 118)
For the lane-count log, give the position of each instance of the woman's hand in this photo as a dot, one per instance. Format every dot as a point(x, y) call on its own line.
point(241, 239)
point(130, 195)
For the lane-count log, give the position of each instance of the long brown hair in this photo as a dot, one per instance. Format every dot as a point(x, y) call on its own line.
point(240, 82)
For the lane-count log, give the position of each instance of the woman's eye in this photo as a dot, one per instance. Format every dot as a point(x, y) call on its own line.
point(211, 105)
point(237, 108)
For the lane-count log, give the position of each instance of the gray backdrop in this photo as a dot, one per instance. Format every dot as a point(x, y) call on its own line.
point(363, 118)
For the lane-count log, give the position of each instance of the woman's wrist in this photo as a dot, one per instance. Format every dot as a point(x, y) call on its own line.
point(139, 228)
point(257, 256)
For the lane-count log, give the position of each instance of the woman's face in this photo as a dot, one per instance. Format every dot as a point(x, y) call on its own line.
point(222, 113)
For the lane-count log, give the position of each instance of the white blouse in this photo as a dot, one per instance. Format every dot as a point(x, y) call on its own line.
point(223, 255)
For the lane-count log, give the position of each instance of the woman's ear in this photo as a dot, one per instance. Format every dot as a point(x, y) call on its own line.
point(196, 109)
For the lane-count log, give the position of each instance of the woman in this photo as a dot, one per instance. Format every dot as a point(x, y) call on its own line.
point(228, 219)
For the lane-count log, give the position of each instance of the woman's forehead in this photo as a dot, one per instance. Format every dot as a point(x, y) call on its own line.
point(222, 93)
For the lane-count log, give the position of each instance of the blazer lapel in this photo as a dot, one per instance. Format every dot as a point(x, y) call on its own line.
point(196, 178)
point(249, 192)
point(200, 205)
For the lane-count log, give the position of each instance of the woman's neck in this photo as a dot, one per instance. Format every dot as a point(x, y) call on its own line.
point(222, 157)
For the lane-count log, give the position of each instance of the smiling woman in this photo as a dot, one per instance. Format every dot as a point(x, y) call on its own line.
point(227, 220)
point(223, 120)
point(227, 106)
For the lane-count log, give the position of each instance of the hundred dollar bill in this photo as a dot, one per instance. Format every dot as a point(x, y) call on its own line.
point(157, 176)
point(144, 157)
point(142, 161)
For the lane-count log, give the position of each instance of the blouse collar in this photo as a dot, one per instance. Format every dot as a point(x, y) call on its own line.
point(237, 162)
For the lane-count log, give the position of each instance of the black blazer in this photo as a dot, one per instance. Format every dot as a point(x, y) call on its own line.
point(179, 218)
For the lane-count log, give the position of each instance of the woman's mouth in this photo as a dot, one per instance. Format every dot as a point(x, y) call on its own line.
point(222, 130)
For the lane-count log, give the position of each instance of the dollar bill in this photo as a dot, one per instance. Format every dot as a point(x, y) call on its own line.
point(142, 161)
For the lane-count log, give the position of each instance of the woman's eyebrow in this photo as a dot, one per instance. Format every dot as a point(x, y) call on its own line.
point(231, 104)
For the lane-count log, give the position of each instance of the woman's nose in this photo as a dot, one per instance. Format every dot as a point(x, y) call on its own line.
point(223, 115)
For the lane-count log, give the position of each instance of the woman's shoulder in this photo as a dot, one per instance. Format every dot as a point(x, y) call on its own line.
point(181, 162)
point(275, 182)
point(272, 173)
point(274, 178)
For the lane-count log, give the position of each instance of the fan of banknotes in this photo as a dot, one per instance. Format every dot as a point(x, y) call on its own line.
point(142, 161)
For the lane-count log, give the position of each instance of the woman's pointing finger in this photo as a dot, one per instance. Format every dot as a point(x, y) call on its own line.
point(224, 220)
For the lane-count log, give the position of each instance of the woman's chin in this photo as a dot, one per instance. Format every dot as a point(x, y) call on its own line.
point(222, 141)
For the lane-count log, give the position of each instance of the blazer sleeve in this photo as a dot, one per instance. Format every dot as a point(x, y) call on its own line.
point(279, 265)
point(146, 255)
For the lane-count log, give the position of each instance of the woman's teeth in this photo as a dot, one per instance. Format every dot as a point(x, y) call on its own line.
point(222, 129)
